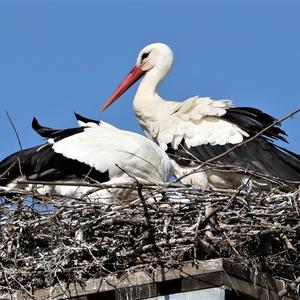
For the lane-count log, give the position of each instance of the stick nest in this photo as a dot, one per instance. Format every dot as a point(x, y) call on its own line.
point(46, 241)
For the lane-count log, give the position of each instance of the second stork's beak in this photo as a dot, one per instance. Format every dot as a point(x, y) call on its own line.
point(134, 75)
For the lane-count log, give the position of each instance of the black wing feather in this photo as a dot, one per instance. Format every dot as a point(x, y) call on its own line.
point(259, 155)
point(43, 163)
point(46, 132)
point(253, 120)
point(55, 134)
point(86, 120)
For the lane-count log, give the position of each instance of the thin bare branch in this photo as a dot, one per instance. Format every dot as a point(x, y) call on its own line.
point(15, 130)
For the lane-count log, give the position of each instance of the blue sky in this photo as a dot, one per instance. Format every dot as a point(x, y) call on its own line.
point(57, 57)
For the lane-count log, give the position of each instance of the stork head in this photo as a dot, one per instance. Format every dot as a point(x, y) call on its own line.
point(158, 56)
point(155, 58)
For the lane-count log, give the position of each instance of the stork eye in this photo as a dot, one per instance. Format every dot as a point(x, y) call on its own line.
point(145, 55)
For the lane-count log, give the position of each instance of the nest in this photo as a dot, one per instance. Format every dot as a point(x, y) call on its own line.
point(47, 241)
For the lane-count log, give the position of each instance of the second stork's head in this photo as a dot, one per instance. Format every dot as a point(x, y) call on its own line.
point(154, 61)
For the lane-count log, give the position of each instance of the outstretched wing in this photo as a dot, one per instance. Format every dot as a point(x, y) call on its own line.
point(43, 162)
point(209, 136)
point(99, 153)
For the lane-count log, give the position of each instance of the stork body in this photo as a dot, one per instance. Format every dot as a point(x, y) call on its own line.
point(200, 128)
point(95, 152)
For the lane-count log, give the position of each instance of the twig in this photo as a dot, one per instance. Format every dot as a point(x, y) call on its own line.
point(288, 243)
point(211, 213)
point(239, 190)
point(15, 130)
point(116, 239)
point(291, 286)
point(151, 237)
point(8, 169)
point(231, 245)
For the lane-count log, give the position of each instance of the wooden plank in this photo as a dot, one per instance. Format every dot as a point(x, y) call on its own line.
point(244, 288)
point(238, 271)
point(188, 277)
point(205, 294)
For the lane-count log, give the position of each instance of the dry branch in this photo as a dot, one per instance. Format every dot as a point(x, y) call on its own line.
point(54, 240)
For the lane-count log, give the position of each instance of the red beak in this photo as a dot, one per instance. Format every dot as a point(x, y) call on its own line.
point(135, 74)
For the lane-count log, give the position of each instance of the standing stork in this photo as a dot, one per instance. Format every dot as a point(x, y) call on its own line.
point(96, 152)
point(199, 128)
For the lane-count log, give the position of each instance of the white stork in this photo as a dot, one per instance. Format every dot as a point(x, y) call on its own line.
point(200, 128)
point(96, 152)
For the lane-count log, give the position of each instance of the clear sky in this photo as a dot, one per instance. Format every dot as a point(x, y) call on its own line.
point(57, 57)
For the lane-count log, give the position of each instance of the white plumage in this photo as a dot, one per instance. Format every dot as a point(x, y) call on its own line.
point(96, 152)
point(200, 128)
point(113, 150)
point(194, 123)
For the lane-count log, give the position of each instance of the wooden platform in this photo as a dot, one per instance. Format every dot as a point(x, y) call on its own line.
point(237, 282)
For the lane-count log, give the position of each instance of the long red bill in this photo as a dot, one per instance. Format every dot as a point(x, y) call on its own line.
point(135, 74)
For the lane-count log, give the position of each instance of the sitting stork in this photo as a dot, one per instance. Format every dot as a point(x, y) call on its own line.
point(199, 128)
point(96, 152)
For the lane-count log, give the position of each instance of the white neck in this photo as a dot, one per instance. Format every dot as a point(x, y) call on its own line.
point(149, 107)
point(149, 84)
point(147, 101)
